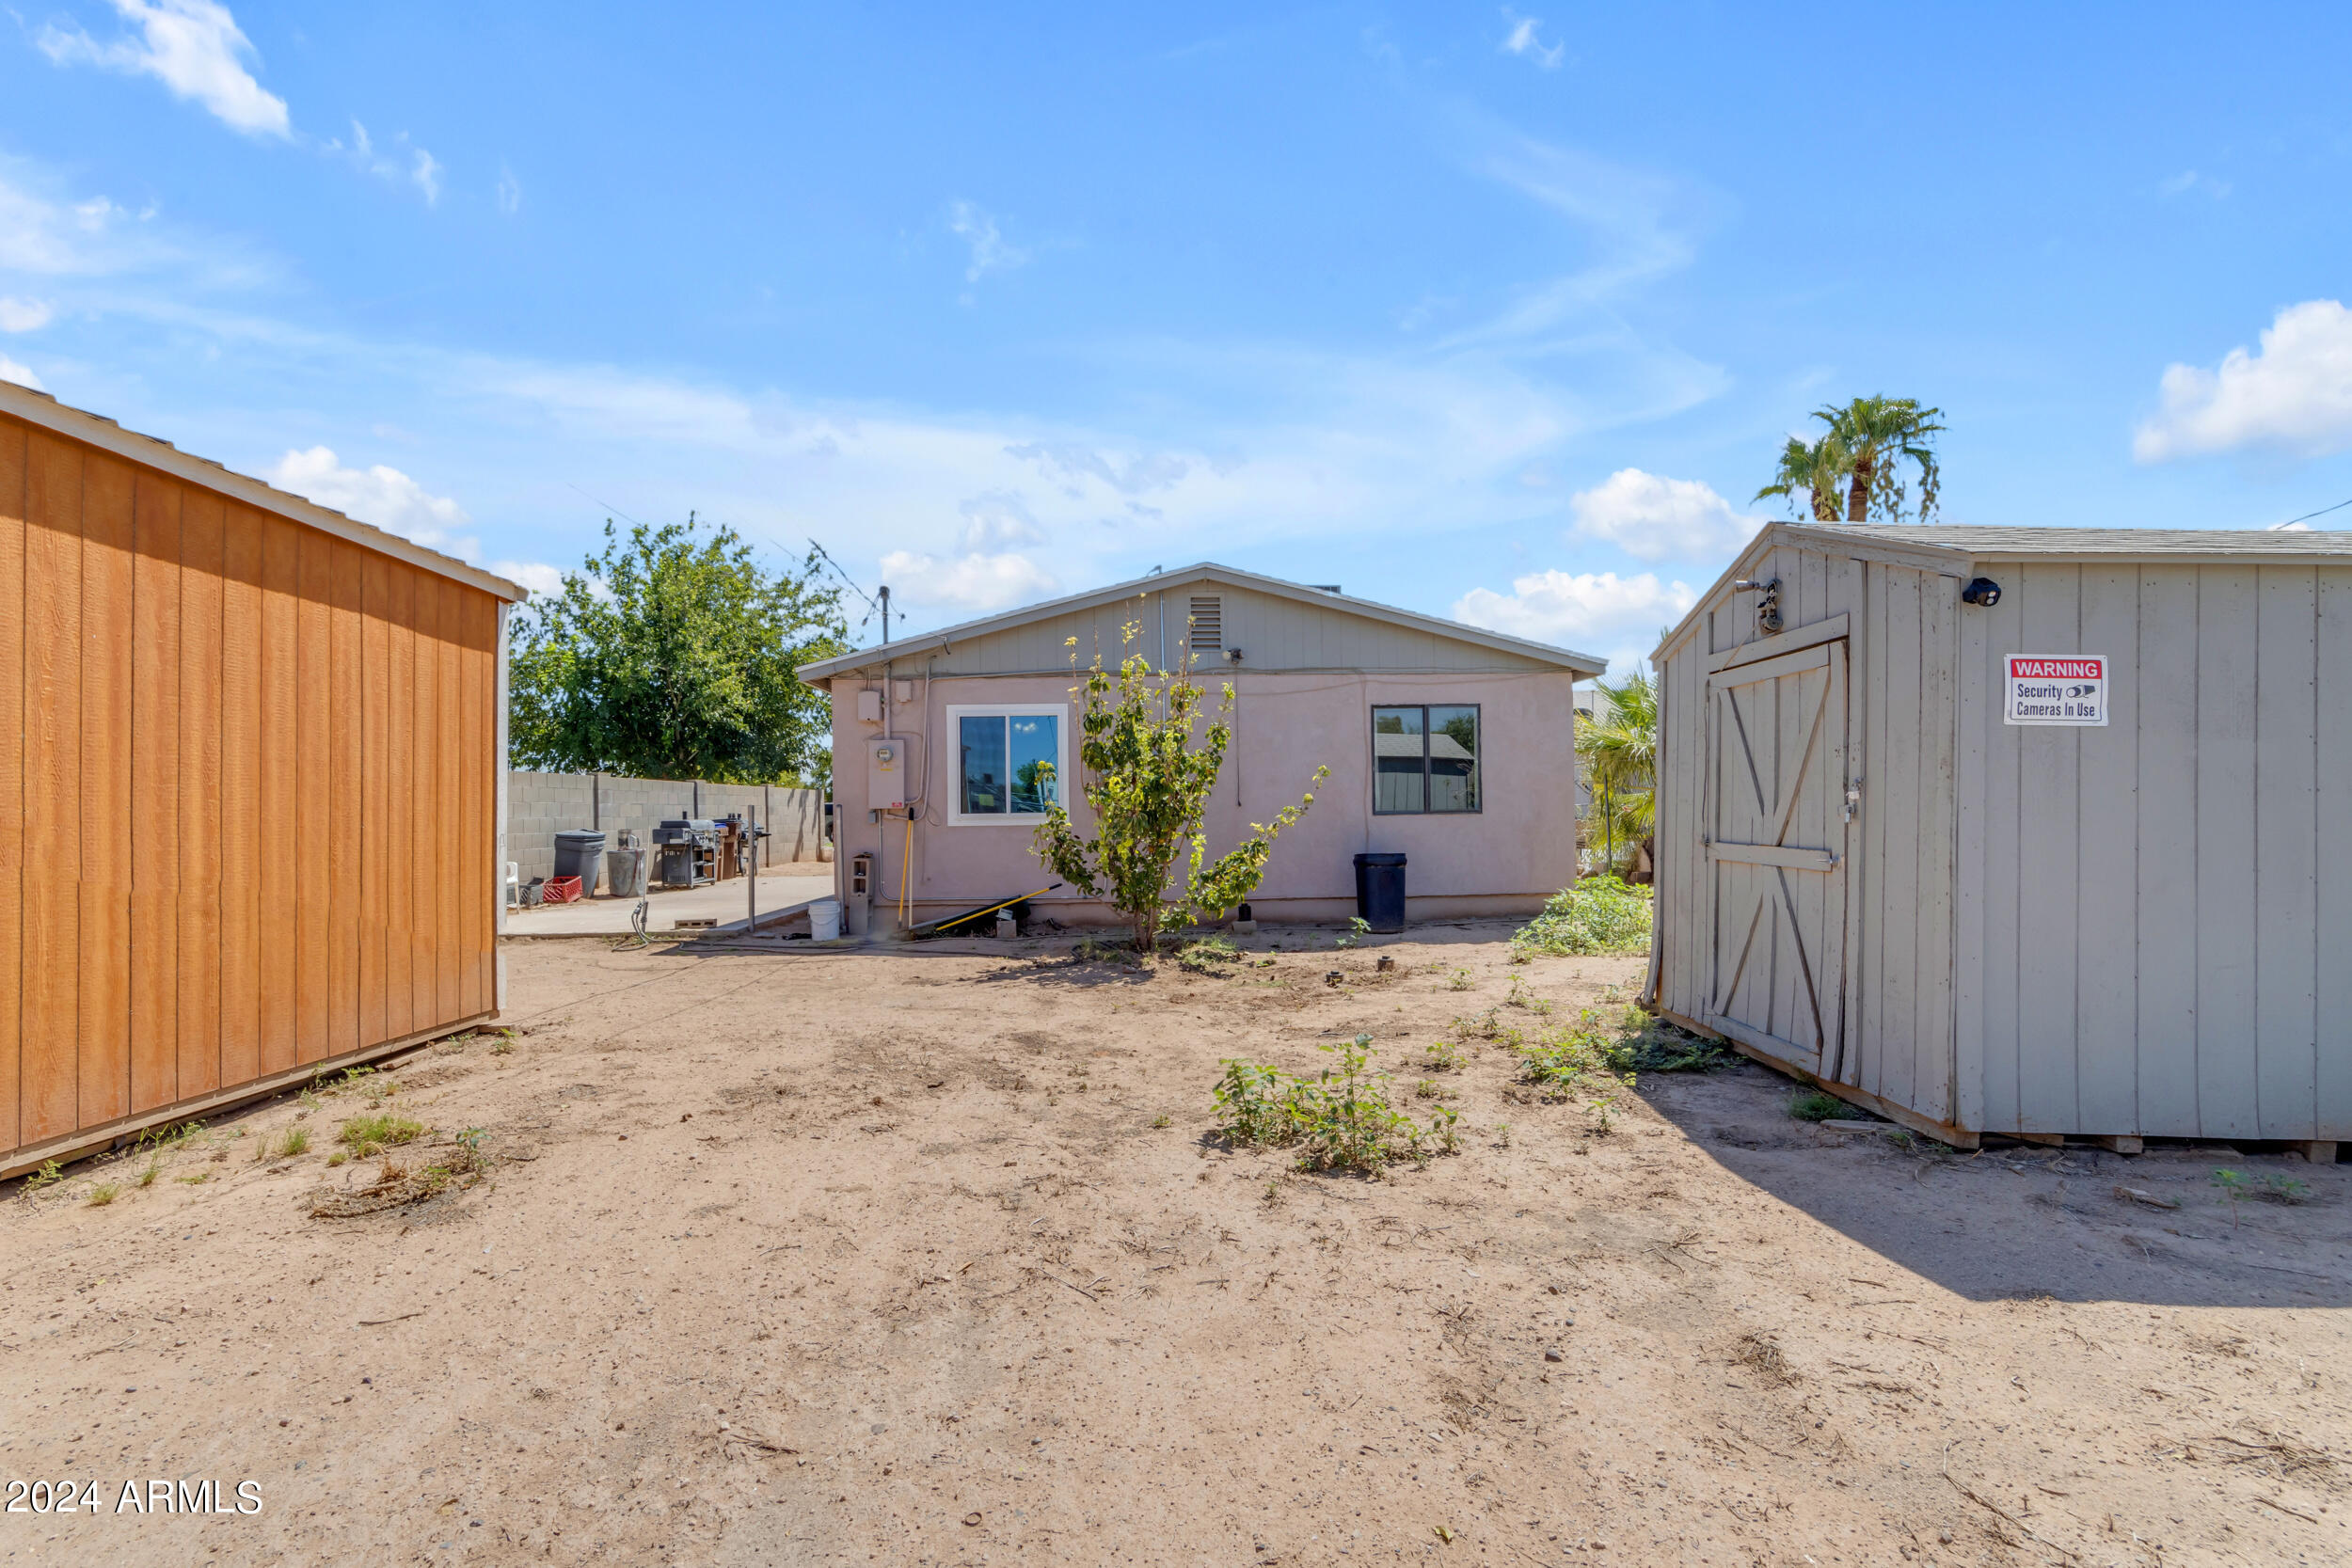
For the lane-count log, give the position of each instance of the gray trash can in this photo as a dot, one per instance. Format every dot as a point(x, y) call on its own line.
point(578, 854)
point(1380, 890)
point(625, 873)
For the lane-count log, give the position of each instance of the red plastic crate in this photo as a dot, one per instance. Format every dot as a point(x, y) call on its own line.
point(561, 890)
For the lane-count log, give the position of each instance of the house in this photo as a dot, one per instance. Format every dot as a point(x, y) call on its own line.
point(251, 752)
point(1453, 745)
point(2045, 831)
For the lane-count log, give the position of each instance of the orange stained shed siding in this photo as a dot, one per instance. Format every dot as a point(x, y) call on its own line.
point(202, 791)
point(12, 772)
point(246, 781)
point(49, 1075)
point(105, 789)
point(154, 829)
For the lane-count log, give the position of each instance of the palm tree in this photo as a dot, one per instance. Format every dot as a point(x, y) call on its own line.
point(1820, 470)
point(1618, 744)
point(1878, 434)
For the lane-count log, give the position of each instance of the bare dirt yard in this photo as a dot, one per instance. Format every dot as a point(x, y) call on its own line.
point(929, 1256)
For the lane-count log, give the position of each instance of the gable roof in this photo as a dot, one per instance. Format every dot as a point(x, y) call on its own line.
point(96, 430)
point(1583, 665)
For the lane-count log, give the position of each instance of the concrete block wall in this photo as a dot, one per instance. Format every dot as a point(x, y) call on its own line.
point(540, 805)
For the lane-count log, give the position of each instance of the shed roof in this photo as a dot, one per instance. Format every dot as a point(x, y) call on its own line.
point(39, 408)
point(2081, 543)
point(1206, 571)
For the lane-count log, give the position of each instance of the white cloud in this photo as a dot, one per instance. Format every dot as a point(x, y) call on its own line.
point(989, 250)
point(995, 519)
point(422, 169)
point(538, 577)
point(1591, 611)
point(193, 47)
point(385, 496)
point(22, 375)
point(1071, 463)
point(510, 191)
point(2293, 396)
point(1654, 518)
point(22, 315)
point(1523, 41)
point(974, 582)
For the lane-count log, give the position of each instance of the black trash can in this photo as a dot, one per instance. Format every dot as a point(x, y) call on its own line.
point(1380, 891)
point(581, 854)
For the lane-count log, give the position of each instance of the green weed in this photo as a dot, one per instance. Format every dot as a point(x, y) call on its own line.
point(1163, 1120)
point(1813, 1105)
point(338, 1157)
point(372, 1135)
point(1441, 1056)
point(2234, 1187)
point(1358, 927)
point(1341, 1120)
point(103, 1194)
point(50, 1174)
point(2284, 1189)
point(154, 1168)
point(295, 1141)
point(1599, 915)
point(197, 1181)
point(1458, 980)
point(1207, 956)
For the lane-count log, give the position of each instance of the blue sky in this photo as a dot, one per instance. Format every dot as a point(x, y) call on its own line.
point(1492, 313)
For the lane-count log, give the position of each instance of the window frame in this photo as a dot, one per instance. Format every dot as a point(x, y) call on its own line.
point(958, 712)
point(1478, 761)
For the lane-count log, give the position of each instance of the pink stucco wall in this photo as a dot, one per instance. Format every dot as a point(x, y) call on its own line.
point(1503, 860)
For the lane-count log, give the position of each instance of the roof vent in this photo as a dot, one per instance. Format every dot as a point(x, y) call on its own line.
point(1208, 625)
point(1325, 587)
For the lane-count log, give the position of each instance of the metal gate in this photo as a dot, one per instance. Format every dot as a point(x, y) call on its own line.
point(1775, 842)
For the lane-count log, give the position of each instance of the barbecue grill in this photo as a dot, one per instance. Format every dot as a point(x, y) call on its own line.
point(688, 852)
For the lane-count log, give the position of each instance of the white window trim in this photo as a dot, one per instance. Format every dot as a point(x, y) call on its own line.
point(957, 713)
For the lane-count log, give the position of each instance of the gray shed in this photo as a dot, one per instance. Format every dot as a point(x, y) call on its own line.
point(2065, 851)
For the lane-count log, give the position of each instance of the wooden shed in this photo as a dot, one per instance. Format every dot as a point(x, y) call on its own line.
point(251, 753)
point(2041, 832)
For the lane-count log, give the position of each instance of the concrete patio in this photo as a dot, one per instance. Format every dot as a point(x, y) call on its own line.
point(780, 887)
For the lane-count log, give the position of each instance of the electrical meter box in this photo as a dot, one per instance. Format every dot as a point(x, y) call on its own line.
point(886, 786)
point(869, 707)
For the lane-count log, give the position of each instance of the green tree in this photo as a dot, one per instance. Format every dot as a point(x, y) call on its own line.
point(1148, 785)
point(1865, 451)
point(1618, 747)
point(674, 655)
point(1820, 470)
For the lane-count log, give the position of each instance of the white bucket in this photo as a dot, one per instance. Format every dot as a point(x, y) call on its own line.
point(824, 920)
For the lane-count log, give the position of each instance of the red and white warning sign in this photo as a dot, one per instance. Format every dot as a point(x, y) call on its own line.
point(2057, 688)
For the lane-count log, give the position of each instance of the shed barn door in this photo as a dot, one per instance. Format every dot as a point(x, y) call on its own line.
point(1776, 837)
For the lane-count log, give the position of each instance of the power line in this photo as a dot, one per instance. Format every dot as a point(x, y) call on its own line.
point(2308, 515)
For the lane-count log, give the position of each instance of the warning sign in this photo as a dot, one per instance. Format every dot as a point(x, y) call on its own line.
point(2059, 688)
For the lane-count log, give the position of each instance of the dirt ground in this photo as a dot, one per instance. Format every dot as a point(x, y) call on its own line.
point(886, 1256)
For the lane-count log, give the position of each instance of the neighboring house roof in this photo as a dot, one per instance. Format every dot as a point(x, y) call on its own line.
point(1442, 748)
point(1206, 571)
point(39, 408)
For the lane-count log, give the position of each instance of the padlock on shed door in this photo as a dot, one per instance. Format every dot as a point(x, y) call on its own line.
point(886, 773)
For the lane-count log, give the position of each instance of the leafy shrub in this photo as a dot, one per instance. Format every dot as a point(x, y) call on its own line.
point(1341, 1120)
point(1599, 915)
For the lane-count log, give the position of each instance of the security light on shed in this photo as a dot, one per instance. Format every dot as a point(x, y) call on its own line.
point(1982, 592)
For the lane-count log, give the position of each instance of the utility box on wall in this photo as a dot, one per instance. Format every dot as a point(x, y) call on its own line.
point(2041, 832)
point(886, 773)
